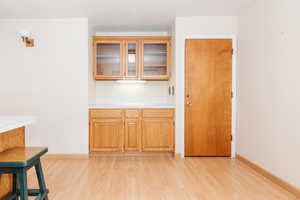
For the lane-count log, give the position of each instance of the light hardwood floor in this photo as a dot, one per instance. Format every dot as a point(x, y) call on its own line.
point(155, 178)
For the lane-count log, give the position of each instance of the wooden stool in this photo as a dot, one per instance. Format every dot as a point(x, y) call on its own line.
point(17, 161)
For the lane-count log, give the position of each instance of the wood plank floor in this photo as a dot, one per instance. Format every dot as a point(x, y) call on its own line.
point(155, 178)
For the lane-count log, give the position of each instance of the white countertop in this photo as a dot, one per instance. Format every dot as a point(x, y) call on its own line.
point(8, 123)
point(95, 106)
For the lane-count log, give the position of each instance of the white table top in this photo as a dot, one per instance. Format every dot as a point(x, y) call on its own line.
point(8, 123)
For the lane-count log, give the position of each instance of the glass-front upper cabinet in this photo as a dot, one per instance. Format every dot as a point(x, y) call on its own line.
point(156, 60)
point(131, 60)
point(129, 57)
point(108, 60)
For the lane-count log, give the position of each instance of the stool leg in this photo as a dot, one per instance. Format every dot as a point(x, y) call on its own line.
point(41, 180)
point(15, 186)
point(23, 187)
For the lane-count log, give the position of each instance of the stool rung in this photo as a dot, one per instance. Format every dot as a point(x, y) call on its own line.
point(33, 192)
point(11, 196)
point(42, 196)
point(36, 192)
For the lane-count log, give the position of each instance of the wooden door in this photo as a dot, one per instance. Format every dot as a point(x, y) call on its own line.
point(109, 59)
point(157, 134)
point(132, 134)
point(156, 60)
point(208, 97)
point(106, 135)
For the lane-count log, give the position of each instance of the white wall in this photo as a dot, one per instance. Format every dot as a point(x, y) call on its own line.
point(268, 87)
point(188, 27)
point(49, 81)
point(92, 82)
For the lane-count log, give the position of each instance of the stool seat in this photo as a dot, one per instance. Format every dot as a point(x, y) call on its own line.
point(21, 156)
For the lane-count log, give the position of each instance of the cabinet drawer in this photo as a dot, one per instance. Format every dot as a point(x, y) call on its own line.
point(158, 113)
point(106, 113)
point(132, 113)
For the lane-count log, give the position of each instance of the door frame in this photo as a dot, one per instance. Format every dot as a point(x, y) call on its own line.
point(233, 85)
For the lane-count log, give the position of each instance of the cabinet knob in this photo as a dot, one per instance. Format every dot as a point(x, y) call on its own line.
point(188, 103)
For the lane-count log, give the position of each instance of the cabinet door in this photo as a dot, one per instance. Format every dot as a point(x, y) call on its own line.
point(108, 60)
point(156, 60)
point(131, 60)
point(157, 135)
point(132, 134)
point(106, 135)
point(8, 140)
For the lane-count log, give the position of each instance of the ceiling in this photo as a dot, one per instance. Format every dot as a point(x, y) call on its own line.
point(120, 15)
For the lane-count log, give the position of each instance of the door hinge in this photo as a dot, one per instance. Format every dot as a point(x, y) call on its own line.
point(231, 94)
point(231, 138)
point(232, 51)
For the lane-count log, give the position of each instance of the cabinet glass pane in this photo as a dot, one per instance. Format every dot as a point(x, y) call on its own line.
point(155, 59)
point(131, 59)
point(108, 59)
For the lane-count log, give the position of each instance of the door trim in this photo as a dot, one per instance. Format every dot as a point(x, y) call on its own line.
point(233, 86)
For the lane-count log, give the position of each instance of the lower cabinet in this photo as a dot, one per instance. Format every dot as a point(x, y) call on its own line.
point(157, 135)
point(107, 135)
point(131, 130)
point(132, 135)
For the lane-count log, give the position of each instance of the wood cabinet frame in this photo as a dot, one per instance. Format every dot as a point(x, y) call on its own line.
point(10, 139)
point(157, 116)
point(140, 41)
point(138, 63)
point(169, 53)
point(137, 123)
point(119, 123)
point(122, 70)
point(157, 121)
point(138, 118)
point(132, 117)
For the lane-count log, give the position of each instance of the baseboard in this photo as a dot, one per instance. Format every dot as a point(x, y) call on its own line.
point(66, 156)
point(96, 154)
point(107, 154)
point(292, 189)
point(177, 155)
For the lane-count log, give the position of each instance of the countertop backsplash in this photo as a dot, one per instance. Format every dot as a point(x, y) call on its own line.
point(149, 94)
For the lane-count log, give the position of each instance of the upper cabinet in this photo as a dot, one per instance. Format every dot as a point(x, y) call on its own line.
point(144, 58)
point(108, 59)
point(156, 60)
point(131, 60)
